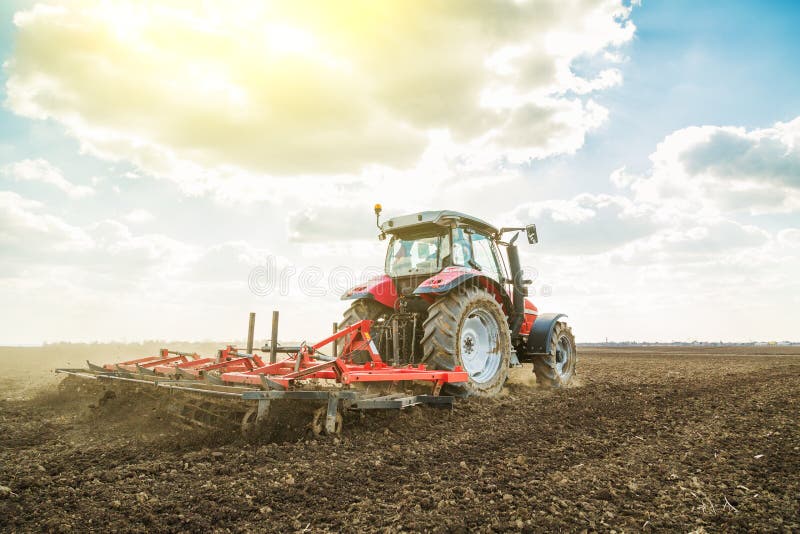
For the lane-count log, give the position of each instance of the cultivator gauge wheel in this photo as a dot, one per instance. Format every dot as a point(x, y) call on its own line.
point(321, 423)
point(254, 417)
point(249, 422)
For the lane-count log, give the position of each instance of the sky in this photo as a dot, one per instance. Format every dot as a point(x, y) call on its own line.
point(168, 167)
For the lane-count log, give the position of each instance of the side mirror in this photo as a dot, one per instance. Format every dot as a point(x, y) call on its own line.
point(533, 237)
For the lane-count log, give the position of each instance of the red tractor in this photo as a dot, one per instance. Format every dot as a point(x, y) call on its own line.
point(448, 299)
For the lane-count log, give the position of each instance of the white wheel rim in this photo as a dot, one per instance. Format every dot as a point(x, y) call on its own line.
point(563, 356)
point(479, 347)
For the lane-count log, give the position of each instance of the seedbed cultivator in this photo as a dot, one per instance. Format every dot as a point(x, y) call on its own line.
point(448, 311)
point(204, 390)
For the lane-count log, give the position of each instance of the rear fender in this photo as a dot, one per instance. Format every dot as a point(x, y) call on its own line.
point(380, 288)
point(542, 332)
point(531, 312)
point(452, 277)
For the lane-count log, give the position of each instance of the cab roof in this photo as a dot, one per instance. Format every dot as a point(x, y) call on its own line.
point(423, 221)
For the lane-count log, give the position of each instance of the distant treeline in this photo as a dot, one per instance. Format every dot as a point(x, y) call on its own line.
point(692, 344)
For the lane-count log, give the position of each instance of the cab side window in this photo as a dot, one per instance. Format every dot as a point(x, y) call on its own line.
point(461, 248)
point(483, 256)
point(445, 256)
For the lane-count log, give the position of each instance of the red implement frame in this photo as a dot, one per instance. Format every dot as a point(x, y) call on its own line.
point(234, 368)
point(303, 366)
point(168, 362)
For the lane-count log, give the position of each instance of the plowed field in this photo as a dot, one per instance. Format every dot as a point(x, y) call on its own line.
point(662, 439)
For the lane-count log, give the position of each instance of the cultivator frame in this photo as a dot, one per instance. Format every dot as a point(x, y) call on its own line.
point(306, 374)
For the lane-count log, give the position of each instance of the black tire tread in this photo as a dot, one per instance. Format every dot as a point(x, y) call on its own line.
point(440, 337)
point(544, 365)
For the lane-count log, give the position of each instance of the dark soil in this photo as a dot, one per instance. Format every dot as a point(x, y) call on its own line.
point(679, 440)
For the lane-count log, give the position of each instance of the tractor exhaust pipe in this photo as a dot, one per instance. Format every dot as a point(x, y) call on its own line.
point(520, 290)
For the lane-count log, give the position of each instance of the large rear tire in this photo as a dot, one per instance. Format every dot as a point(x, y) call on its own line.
point(358, 311)
point(467, 328)
point(557, 368)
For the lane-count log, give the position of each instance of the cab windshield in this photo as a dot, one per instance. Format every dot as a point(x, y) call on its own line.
point(422, 255)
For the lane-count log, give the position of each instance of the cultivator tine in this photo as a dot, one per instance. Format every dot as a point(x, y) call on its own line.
point(81, 373)
point(213, 378)
point(330, 417)
point(262, 410)
point(266, 383)
point(96, 368)
point(185, 373)
point(144, 370)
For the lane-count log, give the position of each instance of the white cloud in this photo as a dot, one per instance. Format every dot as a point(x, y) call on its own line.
point(689, 242)
point(789, 238)
point(708, 235)
point(587, 223)
point(312, 88)
point(30, 237)
point(622, 178)
point(132, 258)
point(715, 169)
point(328, 224)
point(138, 216)
point(693, 202)
point(40, 170)
point(128, 284)
point(770, 155)
point(25, 229)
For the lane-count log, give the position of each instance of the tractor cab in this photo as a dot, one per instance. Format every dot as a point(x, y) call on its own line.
point(426, 243)
point(429, 253)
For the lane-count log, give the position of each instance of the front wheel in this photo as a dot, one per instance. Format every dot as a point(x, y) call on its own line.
point(557, 367)
point(468, 328)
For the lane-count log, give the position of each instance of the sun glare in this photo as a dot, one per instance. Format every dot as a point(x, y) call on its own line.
point(289, 39)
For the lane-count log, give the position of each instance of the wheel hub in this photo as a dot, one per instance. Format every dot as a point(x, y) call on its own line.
point(468, 344)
